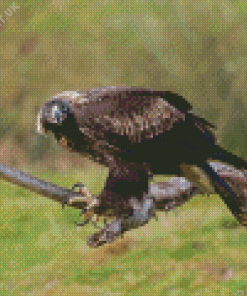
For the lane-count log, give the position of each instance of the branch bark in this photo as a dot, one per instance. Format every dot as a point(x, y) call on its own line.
point(166, 195)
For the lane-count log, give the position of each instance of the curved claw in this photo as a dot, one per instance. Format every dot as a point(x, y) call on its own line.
point(84, 196)
point(81, 197)
point(85, 222)
point(93, 219)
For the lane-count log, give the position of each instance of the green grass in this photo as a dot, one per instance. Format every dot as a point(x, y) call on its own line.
point(198, 249)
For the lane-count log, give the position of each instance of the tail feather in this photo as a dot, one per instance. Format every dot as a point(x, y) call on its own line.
point(230, 158)
point(231, 185)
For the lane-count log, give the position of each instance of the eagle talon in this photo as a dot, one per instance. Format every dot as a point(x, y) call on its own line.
point(88, 211)
point(85, 222)
point(91, 219)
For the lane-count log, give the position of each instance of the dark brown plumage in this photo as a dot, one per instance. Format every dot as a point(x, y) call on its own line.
point(139, 132)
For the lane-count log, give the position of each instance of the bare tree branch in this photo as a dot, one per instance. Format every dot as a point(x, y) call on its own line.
point(166, 196)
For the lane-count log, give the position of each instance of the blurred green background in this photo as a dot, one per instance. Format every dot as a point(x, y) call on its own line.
point(196, 48)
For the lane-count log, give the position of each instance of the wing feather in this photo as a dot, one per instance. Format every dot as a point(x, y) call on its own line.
point(137, 113)
point(96, 117)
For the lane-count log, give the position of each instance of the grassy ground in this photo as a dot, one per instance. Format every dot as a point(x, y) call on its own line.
point(198, 249)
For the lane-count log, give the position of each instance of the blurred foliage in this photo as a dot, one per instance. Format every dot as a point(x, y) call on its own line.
point(196, 49)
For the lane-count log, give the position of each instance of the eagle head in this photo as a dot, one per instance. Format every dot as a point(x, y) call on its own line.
point(57, 117)
point(54, 112)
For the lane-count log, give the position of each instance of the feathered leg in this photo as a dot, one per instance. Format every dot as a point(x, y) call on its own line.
point(141, 214)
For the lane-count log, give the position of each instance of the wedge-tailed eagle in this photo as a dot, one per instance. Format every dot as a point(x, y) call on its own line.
point(138, 132)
